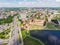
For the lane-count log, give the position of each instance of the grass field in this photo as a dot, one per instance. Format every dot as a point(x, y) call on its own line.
point(31, 41)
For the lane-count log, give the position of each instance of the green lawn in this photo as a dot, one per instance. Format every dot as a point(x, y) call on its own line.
point(36, 27)
point(9, 19)
point(57, 26)
point(4, 34)
point(24, 33)
point(50, 26)
point(4, 44)
point(31, 41)
point(57, 16)
point(19, 38)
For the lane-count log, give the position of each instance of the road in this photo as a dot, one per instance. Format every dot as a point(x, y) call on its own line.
point(2, 41)
point(14, 40)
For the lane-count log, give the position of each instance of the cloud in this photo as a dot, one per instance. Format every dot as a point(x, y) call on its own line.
point(31, 0)
point(39, 4)
point(57, 0)
point(9, 5)
point(29, 4)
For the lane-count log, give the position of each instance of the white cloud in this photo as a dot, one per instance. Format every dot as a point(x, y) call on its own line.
point(39, 4)
point(9, 5)
point(57, 0)
point(29, 4)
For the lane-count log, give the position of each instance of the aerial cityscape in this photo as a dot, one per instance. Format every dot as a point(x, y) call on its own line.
point(29, 22)
point(22, 26)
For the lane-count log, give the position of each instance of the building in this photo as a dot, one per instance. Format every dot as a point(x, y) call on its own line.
point(37, 22)
point(38, 14)
point(4, 27)
point(26, 26)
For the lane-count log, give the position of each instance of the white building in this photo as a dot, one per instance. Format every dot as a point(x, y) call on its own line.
point(23, 16)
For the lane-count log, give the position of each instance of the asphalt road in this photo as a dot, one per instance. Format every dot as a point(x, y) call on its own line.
point(14, 33)
point(2, 41)
point(14, 40)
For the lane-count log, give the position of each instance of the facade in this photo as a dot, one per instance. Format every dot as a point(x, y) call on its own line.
point(37, 22)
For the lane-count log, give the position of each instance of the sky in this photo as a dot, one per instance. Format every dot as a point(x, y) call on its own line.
point(29, 3)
